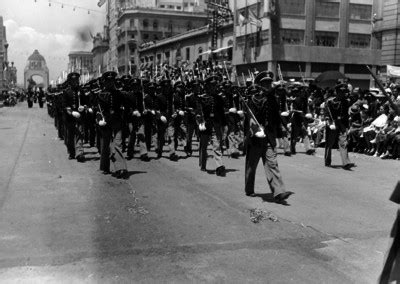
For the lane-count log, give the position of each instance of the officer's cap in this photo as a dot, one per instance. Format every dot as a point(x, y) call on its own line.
point(263, 76)
point(73, 76)
point(109, 75)
point(178, 84)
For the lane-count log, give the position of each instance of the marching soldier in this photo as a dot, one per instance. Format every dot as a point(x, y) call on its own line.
point(110, 108)
point(298, 121)
point(191, 109)
point(212, 125)
point(336, 111)
point(150, 104)
point(73, 112)
point(165, 119)
point(135, 120)
point(261, 138)
point(178, 113)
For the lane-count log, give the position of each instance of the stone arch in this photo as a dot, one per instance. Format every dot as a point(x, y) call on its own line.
point(36, 66)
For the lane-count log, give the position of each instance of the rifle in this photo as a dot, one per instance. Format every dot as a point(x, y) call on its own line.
point(392, 104)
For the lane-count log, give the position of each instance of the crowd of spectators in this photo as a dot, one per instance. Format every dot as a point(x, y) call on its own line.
point(374, 124)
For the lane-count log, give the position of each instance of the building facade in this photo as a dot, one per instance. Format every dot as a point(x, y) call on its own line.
point(189, 47)
point(305, 38)
point(82, 63)
point(3, 56)
point(134, 23)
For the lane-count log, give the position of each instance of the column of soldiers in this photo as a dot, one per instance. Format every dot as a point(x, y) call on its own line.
point(119, 114)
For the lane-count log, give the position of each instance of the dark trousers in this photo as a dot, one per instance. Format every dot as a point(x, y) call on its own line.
point(268, 156)
point(331, 137)
point(111, 147)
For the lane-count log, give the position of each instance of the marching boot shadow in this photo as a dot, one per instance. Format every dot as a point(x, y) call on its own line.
point(131, 173)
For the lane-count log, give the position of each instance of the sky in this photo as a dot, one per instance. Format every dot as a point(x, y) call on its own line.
point(52, 30)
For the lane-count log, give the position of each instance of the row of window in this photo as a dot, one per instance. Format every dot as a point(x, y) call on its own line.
point(323, 8)
point(296, 37)
point(145, 24)
point(179, 54)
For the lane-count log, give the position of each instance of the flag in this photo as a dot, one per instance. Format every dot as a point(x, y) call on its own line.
point(254, 19)
point(242, 20)
point(101, 3)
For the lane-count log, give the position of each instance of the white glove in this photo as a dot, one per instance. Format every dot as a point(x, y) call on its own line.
point(153, 112)
point(181, 113)
point(90, 110)
point(145, 111)
point(365, 106)
point(240, 113)
point(102, 122)
point(76, 114)
point(308, 115)
point(80, 108)
point(285, 113)
point(202, 126)
point(163, 119)
point(260, 133)
point(332, 127)
point(233, 110)
point(136, 113)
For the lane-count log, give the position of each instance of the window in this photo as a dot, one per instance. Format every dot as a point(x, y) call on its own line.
point(145, 36)
point(359, 41)
point(167, 54)
point(170, 6)
point(185, 5)
point(251, 39)
point(293, 7)
point(295, 37)
point(162, 6)
point(360, 12)
point(132, 23)
point(189, 26)
point(187, 53)
point(326, 39)
point(145, 23)
point(324, 8)
point(155, 24)
point(200, 52)
point(155, 37)
point(178, 8)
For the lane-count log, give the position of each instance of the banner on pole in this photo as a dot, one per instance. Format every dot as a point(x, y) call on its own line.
point(393, 71)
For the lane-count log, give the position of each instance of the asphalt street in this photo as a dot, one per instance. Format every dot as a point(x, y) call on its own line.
point(65, 222)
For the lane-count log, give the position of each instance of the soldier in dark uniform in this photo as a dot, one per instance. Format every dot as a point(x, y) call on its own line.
point(150, 104)
point(165, 119)
point(88, 118)
point(135, 109)
point(337, 115)
point(73, 112)
point(178, 113)
point(41, 97)
point(232, 118)
point(298, 120)
point(58, 115)
point(212, 125)
point(110, 105)
point(191, 109)
point(261, 139)
point(282, 97)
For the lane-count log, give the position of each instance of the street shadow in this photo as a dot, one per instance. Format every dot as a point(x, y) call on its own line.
point(131, 173)
point(91, 153)
point(87, 159)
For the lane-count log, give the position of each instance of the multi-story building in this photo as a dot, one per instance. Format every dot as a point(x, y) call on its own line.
point(134, 23)
point(306, 38)
point(82, 63)
point(3, 55)
point(189, 47)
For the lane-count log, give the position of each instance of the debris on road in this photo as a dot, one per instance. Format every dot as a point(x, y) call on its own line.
point(258, 215)
point(134, 209)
